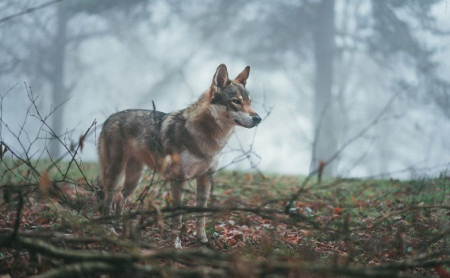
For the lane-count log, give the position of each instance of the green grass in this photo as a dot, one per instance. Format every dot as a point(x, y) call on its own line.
point(15, 171)
point(360, 222)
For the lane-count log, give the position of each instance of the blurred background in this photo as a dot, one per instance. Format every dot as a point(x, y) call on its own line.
point(361, 84)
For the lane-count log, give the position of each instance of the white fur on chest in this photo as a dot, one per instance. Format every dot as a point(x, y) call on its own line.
point(193, 166)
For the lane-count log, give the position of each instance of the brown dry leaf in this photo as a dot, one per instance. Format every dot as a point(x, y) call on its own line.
point(81, 141)
point(44, 183)
point(175, 158)
point(337, 210)
point(443, 273)
point(168, 198)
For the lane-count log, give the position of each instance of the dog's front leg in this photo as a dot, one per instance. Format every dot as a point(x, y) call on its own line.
point(176, 187)
point(203, 189)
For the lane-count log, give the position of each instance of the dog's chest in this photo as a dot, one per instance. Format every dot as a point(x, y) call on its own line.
point(193, 166)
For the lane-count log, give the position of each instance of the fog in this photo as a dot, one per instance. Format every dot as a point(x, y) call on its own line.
point(363, 83)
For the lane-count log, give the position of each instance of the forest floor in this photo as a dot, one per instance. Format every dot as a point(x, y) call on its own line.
point(50, 226)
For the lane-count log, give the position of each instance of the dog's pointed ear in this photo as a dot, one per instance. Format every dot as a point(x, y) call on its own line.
point(221, 77)
point(242, 77)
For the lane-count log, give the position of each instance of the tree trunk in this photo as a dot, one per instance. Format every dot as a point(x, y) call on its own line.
point(59, 92)
point(325, 137)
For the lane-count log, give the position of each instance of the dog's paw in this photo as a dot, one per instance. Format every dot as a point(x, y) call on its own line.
point(111, 231)
point(177, 243)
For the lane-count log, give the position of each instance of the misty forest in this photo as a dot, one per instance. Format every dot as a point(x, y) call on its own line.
point(346, 175)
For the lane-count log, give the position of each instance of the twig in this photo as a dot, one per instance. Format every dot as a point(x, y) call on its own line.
point(381, 219)
point(76, 152)
point(29, 10)
point(44, 123)
point(144, 192)
point(341, 149)
point(18, 215)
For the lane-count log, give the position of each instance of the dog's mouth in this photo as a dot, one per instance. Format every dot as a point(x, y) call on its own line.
point(240, 124)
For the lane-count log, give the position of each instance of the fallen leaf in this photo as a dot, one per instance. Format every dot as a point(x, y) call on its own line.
point(337, 210)
point(44, 183)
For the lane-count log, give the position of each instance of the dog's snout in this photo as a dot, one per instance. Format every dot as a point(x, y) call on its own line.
point(256, 119)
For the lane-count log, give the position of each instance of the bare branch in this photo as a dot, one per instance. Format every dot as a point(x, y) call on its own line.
point(28, 11)
point(349, 141)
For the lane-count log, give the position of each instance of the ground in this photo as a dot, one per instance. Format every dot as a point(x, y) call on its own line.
point(258, 225)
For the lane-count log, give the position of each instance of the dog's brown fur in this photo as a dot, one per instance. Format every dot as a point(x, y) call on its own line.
point(181, 145)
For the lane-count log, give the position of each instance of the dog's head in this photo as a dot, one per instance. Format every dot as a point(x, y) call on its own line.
point(231, 99)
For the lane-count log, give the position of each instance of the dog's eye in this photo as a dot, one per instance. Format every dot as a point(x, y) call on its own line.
point(236, 101)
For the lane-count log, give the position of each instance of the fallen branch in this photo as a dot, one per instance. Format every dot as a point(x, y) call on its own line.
point(207, 261)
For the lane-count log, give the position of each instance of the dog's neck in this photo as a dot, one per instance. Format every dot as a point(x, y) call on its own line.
point(209, 123)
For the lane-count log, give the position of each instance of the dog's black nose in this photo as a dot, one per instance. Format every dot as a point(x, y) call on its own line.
point(256, 119)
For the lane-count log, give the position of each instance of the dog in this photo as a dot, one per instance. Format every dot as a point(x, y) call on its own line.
point(181, 145)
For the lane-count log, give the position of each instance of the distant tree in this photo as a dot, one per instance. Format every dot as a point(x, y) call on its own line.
point(299, 35)
point(394, 42)
point(56, 74)
point(393, 34)
point(40, 52)
point(44, 47)
point(325, 142)
point(402, 30)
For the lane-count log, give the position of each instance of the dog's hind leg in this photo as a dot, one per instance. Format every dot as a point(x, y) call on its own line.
point(203, 189)
point(176, 188)
point(133, 172)
point(110, 182)
point(111, 169)
point(111, 175)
